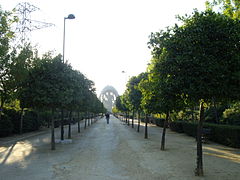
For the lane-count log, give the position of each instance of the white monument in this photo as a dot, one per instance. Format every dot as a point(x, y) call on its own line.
point(108, 97)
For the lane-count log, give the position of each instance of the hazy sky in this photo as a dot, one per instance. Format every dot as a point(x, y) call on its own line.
point(107, 36)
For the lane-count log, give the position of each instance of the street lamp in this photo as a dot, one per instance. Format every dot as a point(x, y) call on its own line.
point(127, 76)
point(70, 16)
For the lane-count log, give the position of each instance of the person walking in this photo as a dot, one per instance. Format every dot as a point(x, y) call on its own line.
point(107, 117)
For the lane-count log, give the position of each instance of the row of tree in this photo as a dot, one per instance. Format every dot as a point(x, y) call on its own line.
point(197, 62)
point(41, 83)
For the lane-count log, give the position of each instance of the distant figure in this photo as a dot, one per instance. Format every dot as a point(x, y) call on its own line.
point(107, 117)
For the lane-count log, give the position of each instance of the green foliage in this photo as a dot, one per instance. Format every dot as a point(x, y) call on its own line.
point(13, 116)
point(27, 81)
point(210, 114)
point(119, 106)
point(6, 19)
point(115, 110)
point(134, 95)
point(176, 126)
point(189, 128)
point(54, 85)
point(159, 122)
point(31, 121)
point(231, 115)
point(223, 134)
point(189, 115)
point(159, 95)
point(6, 126)
point(122, 103)
point(50, 83)
point(44, 117)
point(148, 102)
point(203, 57)
point(230, 8)
point(6, 79)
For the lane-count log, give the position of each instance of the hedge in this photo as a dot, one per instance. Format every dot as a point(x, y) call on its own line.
point(159, 122)
point(176, 126)
point(223, 134)
point(190, 128)
point(14, 116)
point(30, 121)
point(6, 126)
point(10, 122)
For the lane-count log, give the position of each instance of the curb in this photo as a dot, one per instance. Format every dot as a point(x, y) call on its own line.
point(23, 137)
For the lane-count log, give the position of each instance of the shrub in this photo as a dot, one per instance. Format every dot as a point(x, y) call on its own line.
point(6, 126)
point(190, 128)
point(210, 113)
point(232, 114)
point(225, 134)
point(44, 117)
point(176, 126)
point(10, 122)
point(30, 121)
point(14, 116)
point(159, 121)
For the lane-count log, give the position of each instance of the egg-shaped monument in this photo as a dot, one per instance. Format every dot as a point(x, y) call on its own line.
point(108, 97)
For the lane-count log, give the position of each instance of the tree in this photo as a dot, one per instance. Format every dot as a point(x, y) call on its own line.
point(161, 97)
point(121, 105)
point(45, 87)
point(19, 70)
point(6, 79)
point(80, 96)
point(146, 104)
point(230, 8)
point(76, 84)
point(202, 62)
point(134, 95)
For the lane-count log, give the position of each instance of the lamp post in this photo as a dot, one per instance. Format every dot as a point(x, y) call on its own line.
point(127, 76)
point(70, 16)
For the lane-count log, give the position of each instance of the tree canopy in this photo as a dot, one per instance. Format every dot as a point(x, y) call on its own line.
point(195, 62)
point(201, 57)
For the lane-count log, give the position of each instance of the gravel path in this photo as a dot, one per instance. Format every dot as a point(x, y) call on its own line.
point(115, 151)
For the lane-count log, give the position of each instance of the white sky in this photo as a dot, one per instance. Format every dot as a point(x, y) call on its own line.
point(107, 36)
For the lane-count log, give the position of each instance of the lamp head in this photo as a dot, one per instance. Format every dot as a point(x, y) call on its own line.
point(71, 16)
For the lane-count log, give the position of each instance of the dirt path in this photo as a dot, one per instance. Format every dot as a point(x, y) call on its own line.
point(115, 151)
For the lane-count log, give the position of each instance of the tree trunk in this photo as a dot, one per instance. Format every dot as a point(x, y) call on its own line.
point(21, 121)
point(62, 124)
point(88, 117)
point(133, 119)
point(85, 123)
point(128, 119)
point(215, 111)
point(48, 123)
point(146, 126)
point(52, 132)
point(69, 125)
point(1, 107)
point(78, 123)
point(199, 169)
point(164, 131)
point(139, 119)
point(192, 113)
